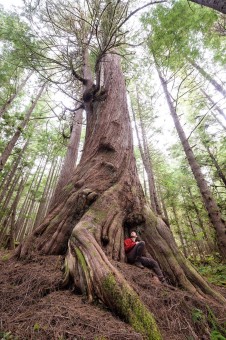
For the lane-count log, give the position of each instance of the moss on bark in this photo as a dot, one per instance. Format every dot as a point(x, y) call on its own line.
point(128, 306)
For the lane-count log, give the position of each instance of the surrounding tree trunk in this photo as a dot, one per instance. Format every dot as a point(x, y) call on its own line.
point(166, 217)
point(5, 107)
point(40, 213)
point(8, 149)
point(194, 233)
point(36, 186)
point(20, 222)
point(184, 249)
point(105, 196)
point(200, 222)
point(70, 158)
point(13, 214)
point(217, 166)
point(9, 195)
point(9, 177)
point(146, 158)
point(9, 210)
point(52, 186)
point(208, 77)
point(217, 119)
point(214, 105)
point(210, 204)
point(218, 5)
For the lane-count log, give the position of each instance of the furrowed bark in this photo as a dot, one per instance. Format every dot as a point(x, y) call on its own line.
point(70, 158)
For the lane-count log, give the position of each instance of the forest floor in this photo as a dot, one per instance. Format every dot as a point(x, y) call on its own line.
point(32, 306)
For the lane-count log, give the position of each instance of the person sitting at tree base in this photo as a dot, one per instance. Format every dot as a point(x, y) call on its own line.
point(134, 252)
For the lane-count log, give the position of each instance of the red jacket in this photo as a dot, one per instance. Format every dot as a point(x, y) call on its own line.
point(129, 244)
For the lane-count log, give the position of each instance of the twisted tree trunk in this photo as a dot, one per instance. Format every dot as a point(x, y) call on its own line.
point(104, 197)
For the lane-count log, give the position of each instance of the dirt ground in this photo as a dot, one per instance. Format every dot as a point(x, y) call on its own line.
point(33, 306)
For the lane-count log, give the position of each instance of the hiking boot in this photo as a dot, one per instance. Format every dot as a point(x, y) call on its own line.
point(138, 264)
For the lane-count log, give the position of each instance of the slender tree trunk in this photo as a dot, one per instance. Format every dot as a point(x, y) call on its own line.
point(208, 77)
point(10, 207)
point(20, 223)
point(5, 107)
point(52, 186)
point(184, 249)
point(214, 105)
point(210, 204)
point(146, 158)
point(70, 158)
point(218, 168)
point(19, 228)
point(33, 200)
point(13, 214)
point(200, 222)
point(144, 182)
point(194, 233)
point(218, 5)
point(218, 120)
point(40, 214)
point(8, 149)
point(9, 195)
point(166, 216)
point(105, 197)
point(8, 179)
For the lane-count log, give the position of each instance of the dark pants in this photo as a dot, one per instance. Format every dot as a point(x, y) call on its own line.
point(136, 254)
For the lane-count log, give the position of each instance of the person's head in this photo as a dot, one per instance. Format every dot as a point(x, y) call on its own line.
point(133, 234)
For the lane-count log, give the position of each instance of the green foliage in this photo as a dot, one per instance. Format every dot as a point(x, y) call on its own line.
point(7, 336)
point(197, 315)
point(5, 257)
point(216, 335)
point(214, 272)
point(180, 31)
point(36, 327)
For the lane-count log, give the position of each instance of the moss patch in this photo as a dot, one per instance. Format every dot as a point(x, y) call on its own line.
point(68, 187)
point(81, 260)
point(128, 306)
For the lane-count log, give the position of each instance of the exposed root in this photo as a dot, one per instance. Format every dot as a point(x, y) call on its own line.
point(86, 261)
